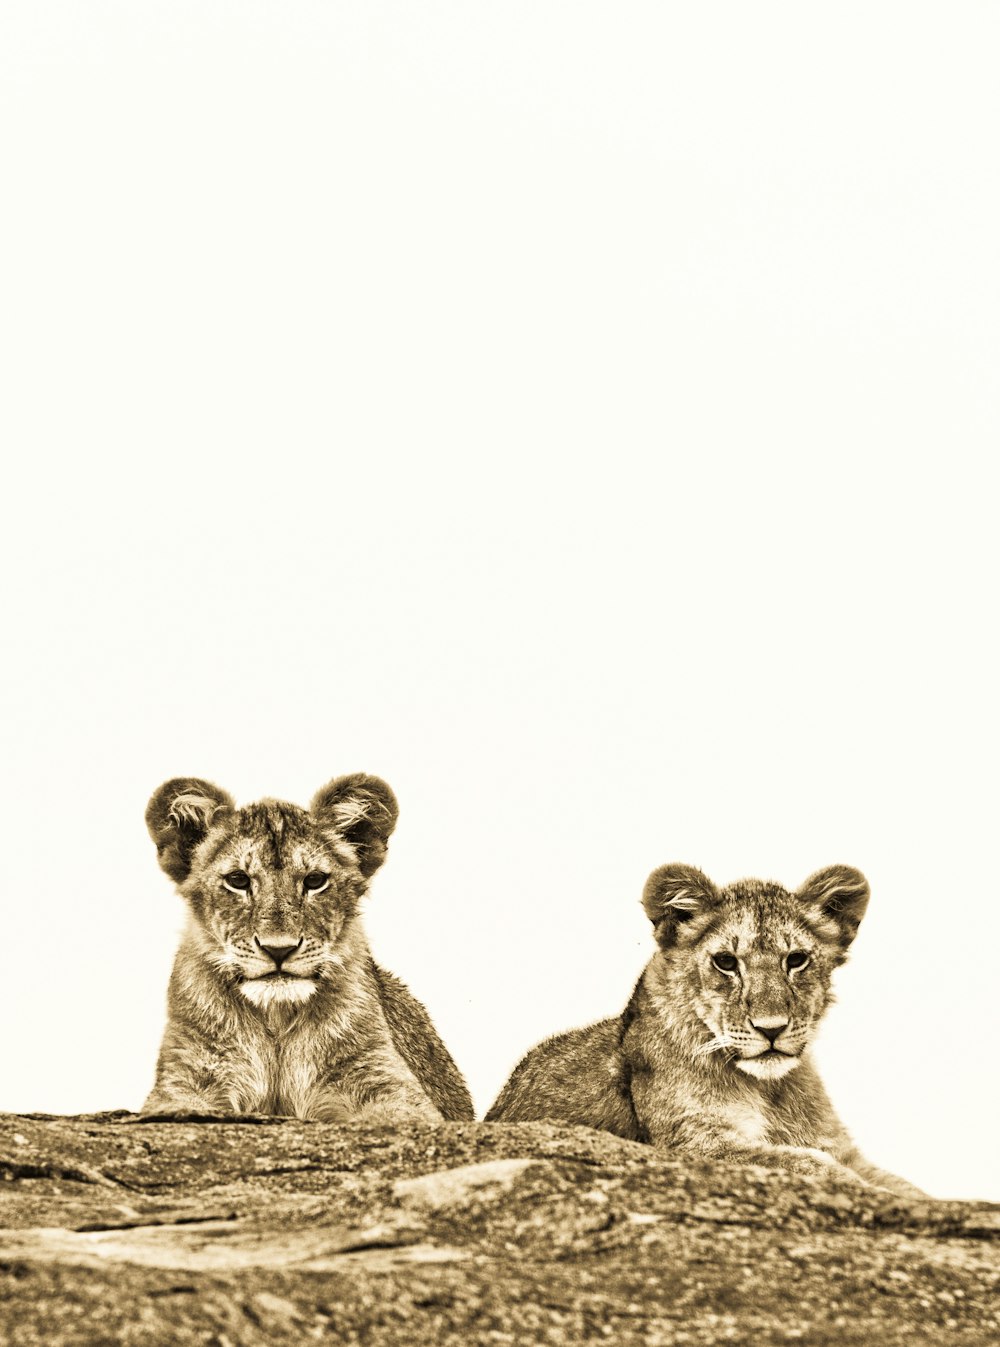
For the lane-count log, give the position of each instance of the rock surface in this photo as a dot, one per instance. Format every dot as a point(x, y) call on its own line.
point(245, 1232)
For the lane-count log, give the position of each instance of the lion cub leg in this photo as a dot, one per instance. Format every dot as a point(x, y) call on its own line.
point(808, 1160)
point(401, 1106)
point(189, 1079)
point(871, 1174)
point(177, 1101)
point(375, 1086)
point(818, 1163)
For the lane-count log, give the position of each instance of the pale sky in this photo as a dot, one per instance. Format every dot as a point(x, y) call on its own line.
point(580, 415)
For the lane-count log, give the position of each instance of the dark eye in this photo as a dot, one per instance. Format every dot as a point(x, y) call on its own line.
point(238, 880)
point(726, 963)
point(315, 881)
point(797, 959)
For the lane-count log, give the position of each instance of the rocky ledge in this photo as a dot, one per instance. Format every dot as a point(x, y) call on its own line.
point(241, 1232)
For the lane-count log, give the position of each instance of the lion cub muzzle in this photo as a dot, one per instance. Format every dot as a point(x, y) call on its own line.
point(771, 1029)
point(768, 1047)
point(270, 973)
point(278, 947)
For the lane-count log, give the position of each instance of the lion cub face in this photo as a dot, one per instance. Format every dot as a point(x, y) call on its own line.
point(272, 887)
point(752, 963)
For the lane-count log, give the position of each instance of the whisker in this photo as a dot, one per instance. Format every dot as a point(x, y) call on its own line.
point(718, 1044)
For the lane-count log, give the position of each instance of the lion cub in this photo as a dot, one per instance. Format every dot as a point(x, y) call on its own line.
point(711, 1054)
point(275, 1004)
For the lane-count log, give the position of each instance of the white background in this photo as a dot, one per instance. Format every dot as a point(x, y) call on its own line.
point(581, 415)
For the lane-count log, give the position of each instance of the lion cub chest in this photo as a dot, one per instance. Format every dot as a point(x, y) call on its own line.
point(282, 1074)
point(760, 1120)
point(745, 1121)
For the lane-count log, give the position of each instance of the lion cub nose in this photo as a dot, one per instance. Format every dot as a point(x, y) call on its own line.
point(278, 952)
point(770, 1029)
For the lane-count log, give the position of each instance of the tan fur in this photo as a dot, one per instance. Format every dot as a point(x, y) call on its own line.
point(688, 1064)
point(321, 1031)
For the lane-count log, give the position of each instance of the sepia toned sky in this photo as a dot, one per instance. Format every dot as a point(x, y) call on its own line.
point(581, 415)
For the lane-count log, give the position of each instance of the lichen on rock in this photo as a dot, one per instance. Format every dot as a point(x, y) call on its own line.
point(253, 1231)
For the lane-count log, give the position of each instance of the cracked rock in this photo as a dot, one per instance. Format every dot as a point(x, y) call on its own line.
point(242, 1232)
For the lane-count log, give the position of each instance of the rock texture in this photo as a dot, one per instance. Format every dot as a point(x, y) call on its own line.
point(122, 1230)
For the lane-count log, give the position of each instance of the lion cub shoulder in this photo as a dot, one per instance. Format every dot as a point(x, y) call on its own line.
point(711, 1054)
point(275, 1004)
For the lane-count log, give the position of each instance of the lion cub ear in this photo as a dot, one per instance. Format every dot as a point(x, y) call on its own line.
point(839, 893)
point(362, 810)
point(178, 816)
point(672, 895)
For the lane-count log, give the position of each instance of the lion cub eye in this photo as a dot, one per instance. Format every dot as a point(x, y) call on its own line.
point(726, 963)
point(315, 881)
point(797, 959)
point(237, 880)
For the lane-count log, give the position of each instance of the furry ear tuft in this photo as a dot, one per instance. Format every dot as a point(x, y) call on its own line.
point(840, 893)
point(363, 810)
point(178, 816)
point(673, 894)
